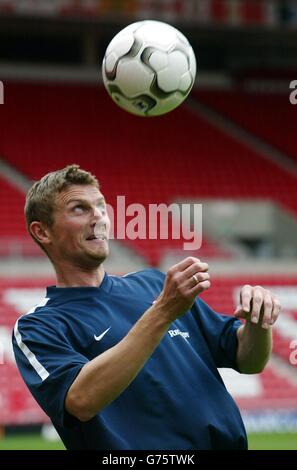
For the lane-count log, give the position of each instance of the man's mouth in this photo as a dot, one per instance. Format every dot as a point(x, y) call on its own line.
point(97, 237)
point(98, 233)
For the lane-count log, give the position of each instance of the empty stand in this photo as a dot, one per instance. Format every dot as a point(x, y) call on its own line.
point(11, 210)
point(157, 160)
point(14, 239)
point(269, 116)
point(17, 404)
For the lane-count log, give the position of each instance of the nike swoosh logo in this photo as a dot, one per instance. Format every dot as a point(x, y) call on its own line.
point(98, 338)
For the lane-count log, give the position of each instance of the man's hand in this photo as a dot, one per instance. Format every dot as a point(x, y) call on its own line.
point(258, 306)
point(184, 281)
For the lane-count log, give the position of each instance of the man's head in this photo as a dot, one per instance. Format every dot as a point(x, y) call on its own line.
point(66, 215)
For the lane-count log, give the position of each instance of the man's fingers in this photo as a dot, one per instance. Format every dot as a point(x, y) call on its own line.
point(200, 277)
point(267, 310)
point(275, 310)
point(256, 304)
point(202, 286)
point(259, 304)
point(196, 269)
point(245, 298)
point(184, 264)
point(239, 312)
point(185, 271)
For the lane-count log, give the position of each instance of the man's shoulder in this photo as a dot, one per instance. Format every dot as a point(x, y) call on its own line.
point(148, 274)
point(40, 315)
point(146, 278)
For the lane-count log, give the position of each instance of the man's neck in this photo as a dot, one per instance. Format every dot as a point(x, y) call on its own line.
point(76, 277)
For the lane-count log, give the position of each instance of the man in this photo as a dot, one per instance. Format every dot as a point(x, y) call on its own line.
point(130, 362)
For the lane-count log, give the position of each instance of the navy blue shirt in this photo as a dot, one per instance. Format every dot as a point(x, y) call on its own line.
point(177, 401)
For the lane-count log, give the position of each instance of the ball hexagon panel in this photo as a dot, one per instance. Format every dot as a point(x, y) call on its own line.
point(158, 60)
point(133, 77)
point(158, 34)
point(185, 82)
point(140, 105)
point(165, 105)
point(121, 44)
point(169, 78)
point(193, 66)
point(110, 62)
point(183, 39)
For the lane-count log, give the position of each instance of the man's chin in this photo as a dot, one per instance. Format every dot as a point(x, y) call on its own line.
point(98, 255)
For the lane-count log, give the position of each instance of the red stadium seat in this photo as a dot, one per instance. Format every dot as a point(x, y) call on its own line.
point(156, 160)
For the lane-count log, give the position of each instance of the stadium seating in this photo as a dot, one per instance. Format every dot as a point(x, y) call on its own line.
point(181, 156)
point(276, 391)
point(269, 116)
point(12, 212)
point(17, 404)
point(14, 239)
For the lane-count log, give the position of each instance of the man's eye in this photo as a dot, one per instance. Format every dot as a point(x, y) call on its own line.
point(79, 208)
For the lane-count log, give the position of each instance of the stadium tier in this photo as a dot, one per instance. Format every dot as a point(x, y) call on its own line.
point(17, 404)
point(12, 212)
point(269, 116)
point(14, 239)
point(180, 156)
point(270, 389)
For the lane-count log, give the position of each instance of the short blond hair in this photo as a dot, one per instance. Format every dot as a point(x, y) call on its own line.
point(40, 199)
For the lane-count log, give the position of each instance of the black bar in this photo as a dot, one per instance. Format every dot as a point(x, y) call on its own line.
point(137, 459)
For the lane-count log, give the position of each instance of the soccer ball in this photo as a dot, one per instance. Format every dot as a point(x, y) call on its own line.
point(149, 68)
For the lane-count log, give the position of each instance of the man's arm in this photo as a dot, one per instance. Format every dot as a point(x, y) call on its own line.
point(104, 378)
point(260, 309)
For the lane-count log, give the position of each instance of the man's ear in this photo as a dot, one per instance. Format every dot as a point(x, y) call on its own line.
point(40, 232)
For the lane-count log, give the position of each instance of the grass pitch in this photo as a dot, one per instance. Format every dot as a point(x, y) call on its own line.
point(273, 441)
point(258, 441)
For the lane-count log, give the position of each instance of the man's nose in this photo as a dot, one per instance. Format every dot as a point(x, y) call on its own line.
point(98, 212)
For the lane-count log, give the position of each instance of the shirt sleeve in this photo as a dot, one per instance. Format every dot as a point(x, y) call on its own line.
point(220, 333)
point(48, 364)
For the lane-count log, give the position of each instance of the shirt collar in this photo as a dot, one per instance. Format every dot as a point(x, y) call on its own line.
point(105, 286)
